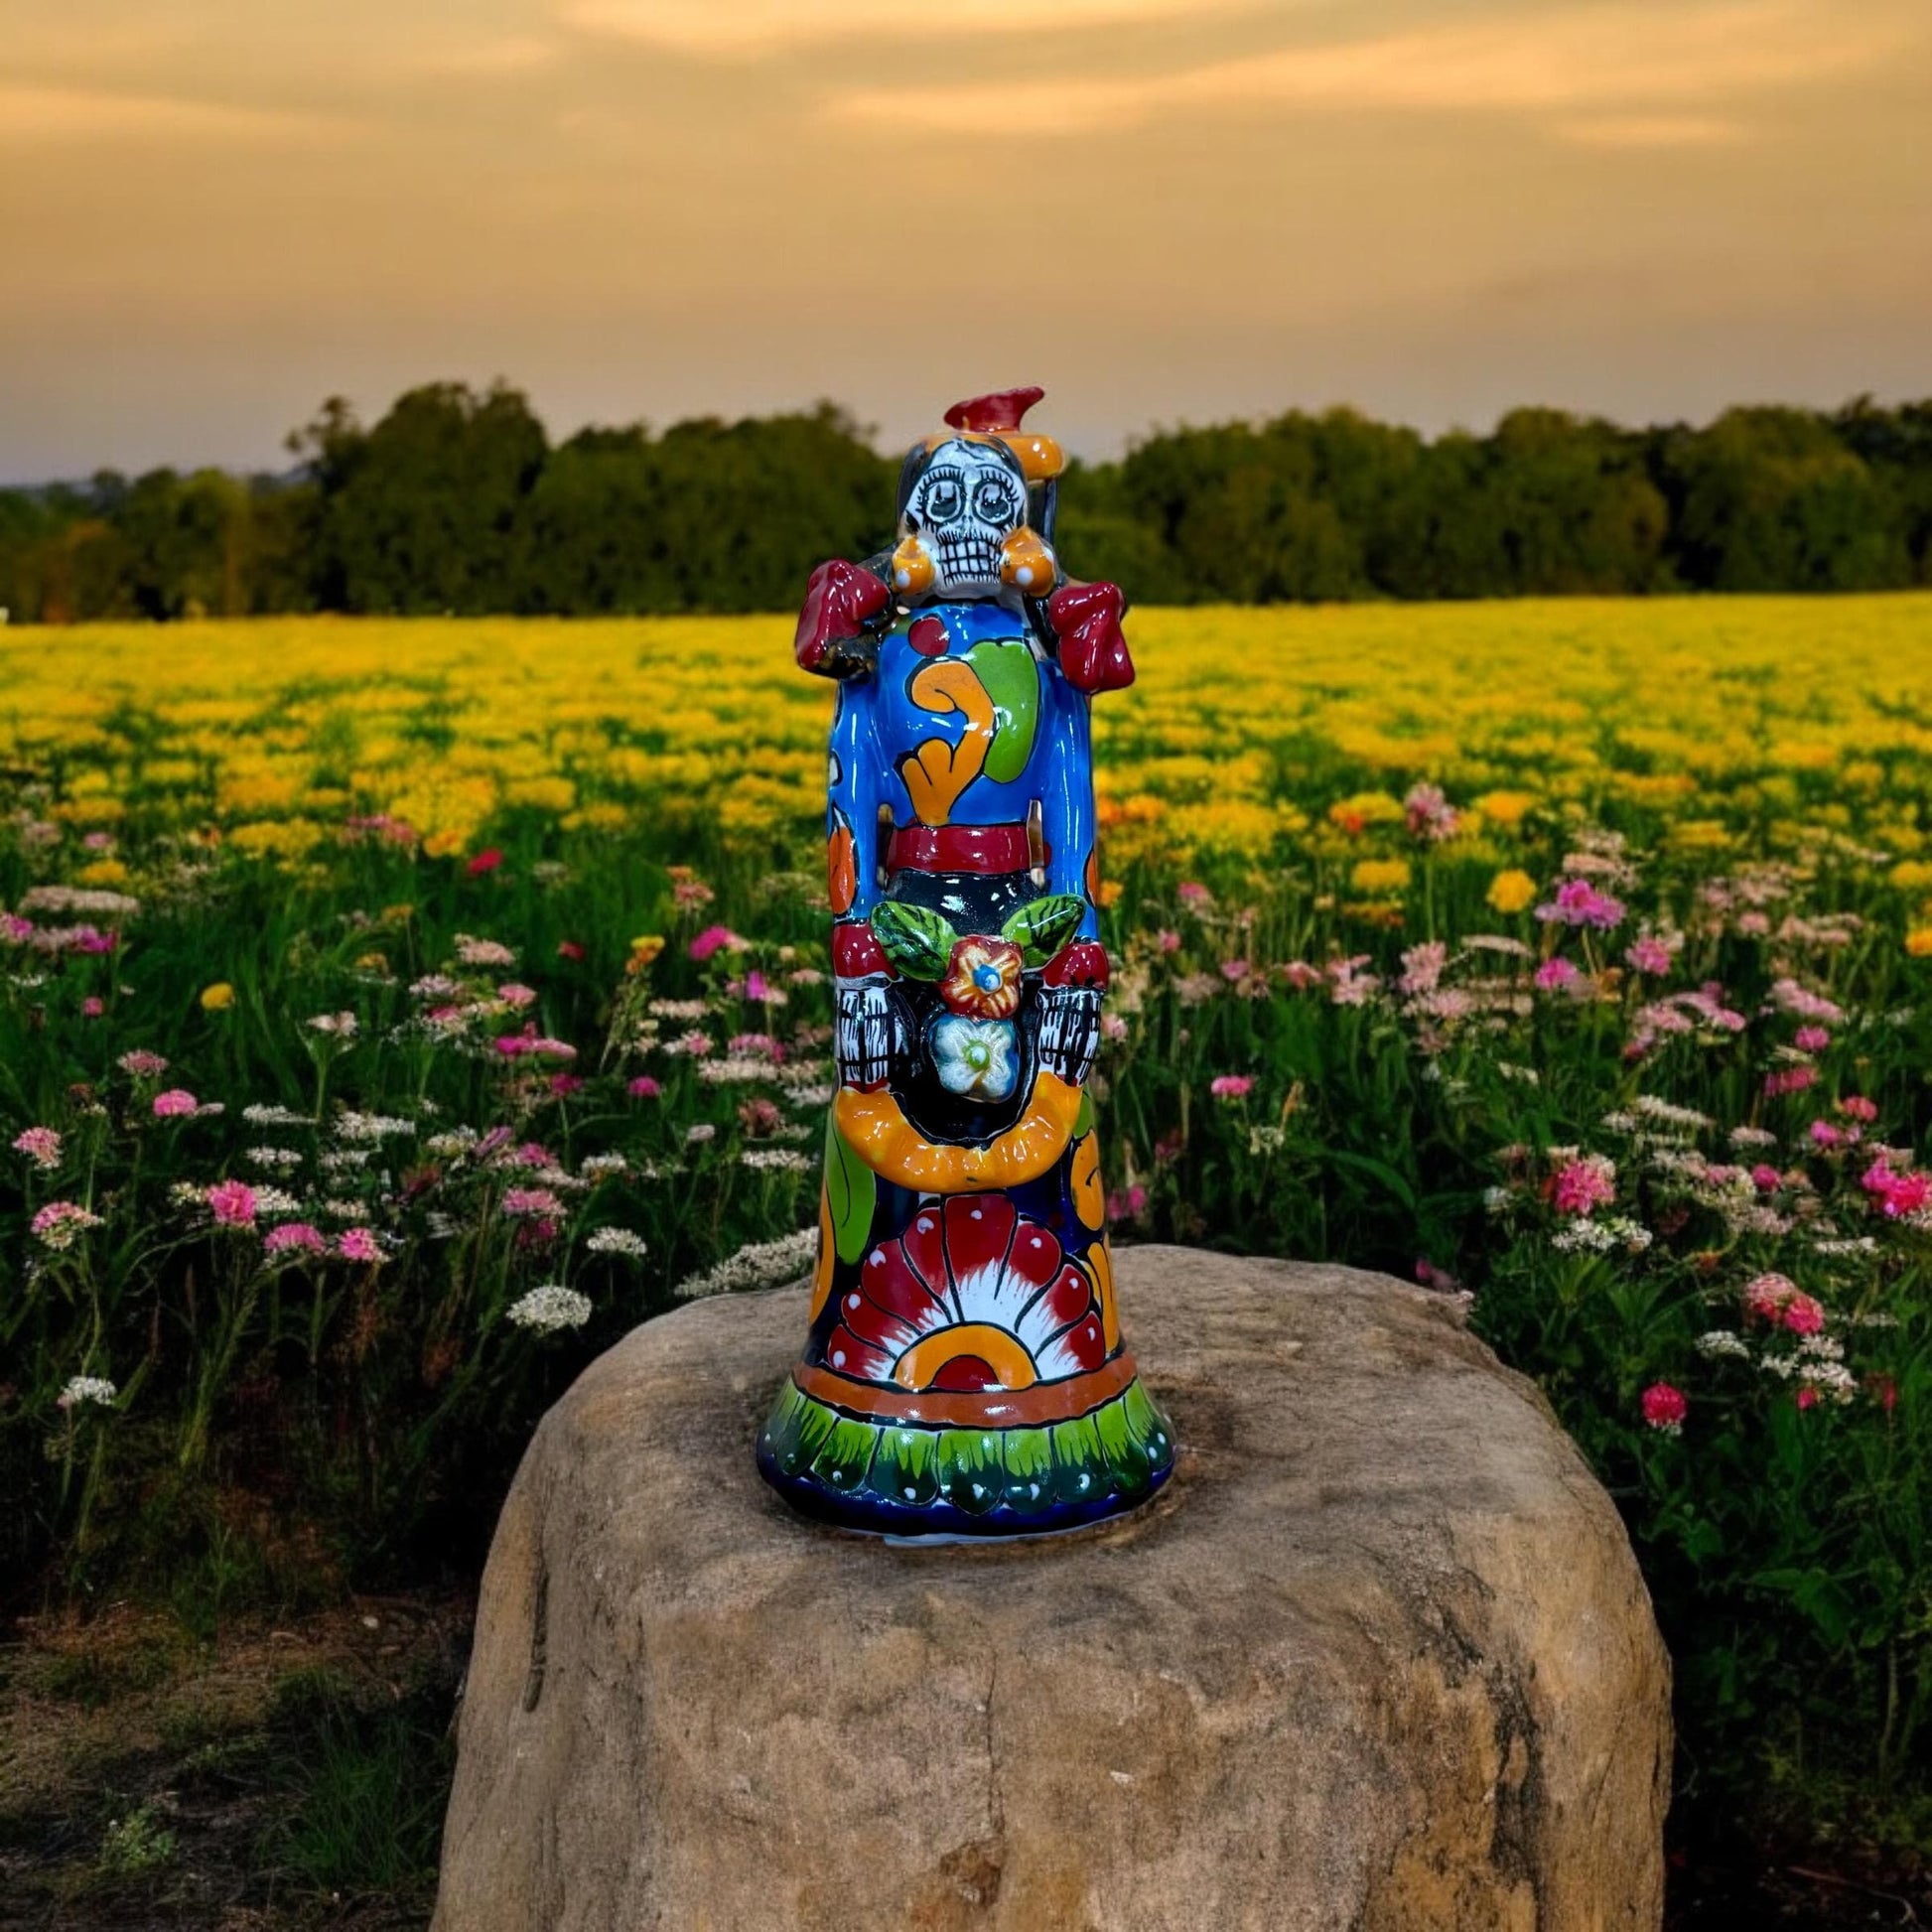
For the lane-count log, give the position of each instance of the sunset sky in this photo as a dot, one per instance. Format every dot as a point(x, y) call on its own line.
point(215, 213)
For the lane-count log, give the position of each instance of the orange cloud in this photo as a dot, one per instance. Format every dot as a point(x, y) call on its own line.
point(40, 115)
point(1629, 55)
point(744, 27)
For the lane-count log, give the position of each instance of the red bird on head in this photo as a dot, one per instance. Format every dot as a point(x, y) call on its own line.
point(989, 415)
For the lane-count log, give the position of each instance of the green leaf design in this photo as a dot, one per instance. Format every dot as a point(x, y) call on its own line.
point(917, 940)
point(1043, 926)
point(851, 1192)
point(905, 1465)
point(1007, 669)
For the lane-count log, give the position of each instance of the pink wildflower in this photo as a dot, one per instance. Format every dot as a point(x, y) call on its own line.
point(1579, 903)
point(1235, 970)
point(514, 993)
point(59, 1221)
point(1789, 1079)
point(1649, 955)
point(562, 1084)
point(173, 1104)
point(1168, 942)
point(1897, 1195)
point(1231, 1086)
point(1429, 813)
point(40, 1144)
point(643, 1087)
point(1856, 1107)
point(1824, 1135)
point(1766, 1178)
point(92, 1007)
point(1583, 1186)
point(712, 939)
point(293, 1237)
point(142, 1065)
point(14, 930)
point(1422, 967)
point(757, 986)
point(1665, 1406)
point(1766, 1296)
point(357, 1244)
point(1555, 974)
point(1804, 1315)
point(233, 1203)
point(487, 860)
point(1807, 1397)
point(1192, 893)
point(570, 949)
point(1811, 1039)
point(530, 1200)
point(1301, 975)
point(1128, 1206)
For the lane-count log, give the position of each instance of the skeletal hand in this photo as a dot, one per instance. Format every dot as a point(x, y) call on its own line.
point(862, 1040)
point(1069, 1032)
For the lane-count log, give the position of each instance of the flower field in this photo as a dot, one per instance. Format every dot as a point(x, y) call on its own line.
point(395, 1013)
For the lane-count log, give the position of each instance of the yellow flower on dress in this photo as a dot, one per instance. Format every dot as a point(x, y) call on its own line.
point(1510, 892)
point(983, 979)
point(218, 997)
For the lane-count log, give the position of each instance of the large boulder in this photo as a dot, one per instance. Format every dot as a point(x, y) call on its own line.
point(1378, 1657)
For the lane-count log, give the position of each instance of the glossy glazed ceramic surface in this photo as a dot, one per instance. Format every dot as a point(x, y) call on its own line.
point(964, 1372)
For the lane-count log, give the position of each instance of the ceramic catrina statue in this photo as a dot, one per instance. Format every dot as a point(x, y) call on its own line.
point(965, 1373)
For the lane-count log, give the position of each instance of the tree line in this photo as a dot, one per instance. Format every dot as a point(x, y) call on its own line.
point(457, 501)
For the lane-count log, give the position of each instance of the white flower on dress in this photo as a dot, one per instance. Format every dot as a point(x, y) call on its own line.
point(974, 1056)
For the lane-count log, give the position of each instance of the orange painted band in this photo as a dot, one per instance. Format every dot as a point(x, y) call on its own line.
point(1029, 1408)
point(875, 1128)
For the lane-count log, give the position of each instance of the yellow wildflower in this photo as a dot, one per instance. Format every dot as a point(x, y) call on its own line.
point(1380, 878)
point(1363, 809)
point(1510, 892)
point(218, 997)
point(1918, 942)
point(1505, 807)
point(646, 948)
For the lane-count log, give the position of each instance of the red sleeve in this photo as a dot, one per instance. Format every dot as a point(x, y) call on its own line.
point(1086, 620)
point(841, 598)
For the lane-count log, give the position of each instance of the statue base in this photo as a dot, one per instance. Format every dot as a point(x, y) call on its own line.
point(1378, 1656)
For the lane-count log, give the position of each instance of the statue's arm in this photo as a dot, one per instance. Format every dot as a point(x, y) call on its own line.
point(1076, 976)
point(1085, 620)
point(846, 606)
point(863, 1038)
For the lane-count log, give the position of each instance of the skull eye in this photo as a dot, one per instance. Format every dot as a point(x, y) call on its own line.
point(945, 497)
point(994, 501)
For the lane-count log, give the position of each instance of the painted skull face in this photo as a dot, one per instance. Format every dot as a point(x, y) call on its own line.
point(963, 508)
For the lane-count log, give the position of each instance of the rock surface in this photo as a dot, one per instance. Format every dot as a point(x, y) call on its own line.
point(1378, 1657)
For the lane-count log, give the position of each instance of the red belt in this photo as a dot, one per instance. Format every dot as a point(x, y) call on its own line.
point(959, 847)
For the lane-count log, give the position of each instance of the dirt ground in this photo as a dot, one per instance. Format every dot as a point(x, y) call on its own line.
point(234, 1785)
point(291, 1776)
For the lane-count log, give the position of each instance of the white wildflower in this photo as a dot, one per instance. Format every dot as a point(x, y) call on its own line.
point(616, 1241)
point(82, 1389)
point(550, 1308)
point(761, 1264)
point(1721, 1342)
